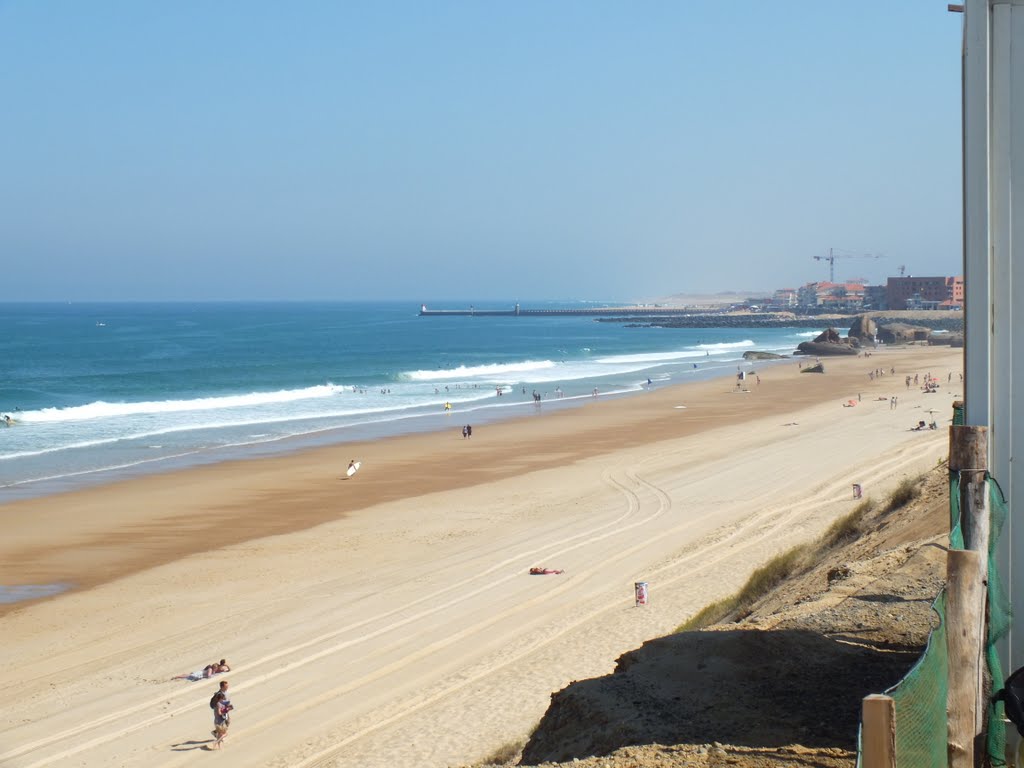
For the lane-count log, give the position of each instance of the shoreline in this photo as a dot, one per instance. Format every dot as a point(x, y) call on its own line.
point(107, 504)
point(326, 452)
point(399, 602)
point(484, 411)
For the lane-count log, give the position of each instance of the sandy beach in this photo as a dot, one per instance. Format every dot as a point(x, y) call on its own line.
point(389, 619)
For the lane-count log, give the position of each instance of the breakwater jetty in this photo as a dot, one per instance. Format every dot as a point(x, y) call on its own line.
point(657, 316)
point(517, 311)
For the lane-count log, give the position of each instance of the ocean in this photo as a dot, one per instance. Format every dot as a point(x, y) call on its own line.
point(97, 392)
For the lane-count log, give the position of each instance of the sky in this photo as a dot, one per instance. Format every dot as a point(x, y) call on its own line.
point(483, 151)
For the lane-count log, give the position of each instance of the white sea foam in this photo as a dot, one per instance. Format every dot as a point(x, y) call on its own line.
point(490, 371)
point(104, 410)
point(727, 345)
point(651, 357)
point(198, 420)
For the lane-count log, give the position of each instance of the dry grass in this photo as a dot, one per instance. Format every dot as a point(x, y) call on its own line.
point(908, 490)
point(761, 581)
point(798, 560)
point(505, 756)
point(846, 528)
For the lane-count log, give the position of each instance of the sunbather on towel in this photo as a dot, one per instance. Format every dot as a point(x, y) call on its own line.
point(544, 571)
point(208, 671)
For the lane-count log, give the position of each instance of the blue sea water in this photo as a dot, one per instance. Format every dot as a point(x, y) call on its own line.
point(98, 391)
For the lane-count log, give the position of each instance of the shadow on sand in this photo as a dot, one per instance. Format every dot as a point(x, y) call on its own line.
point(188, 746)
point(749, 688)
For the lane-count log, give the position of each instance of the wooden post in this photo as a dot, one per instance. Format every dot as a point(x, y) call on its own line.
point(965, 625)
point(878, 734)
point(968, 456)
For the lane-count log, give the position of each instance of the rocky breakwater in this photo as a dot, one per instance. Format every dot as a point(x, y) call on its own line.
point(863, 330)
point(723, 320)
point(908, 333)
point(902, 333)
point(829, 343)
point(946, 340)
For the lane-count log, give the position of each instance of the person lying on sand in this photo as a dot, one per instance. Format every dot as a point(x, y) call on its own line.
point(544, 571)
point(206, 672)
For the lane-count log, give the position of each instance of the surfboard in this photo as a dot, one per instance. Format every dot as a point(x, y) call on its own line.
point(354, 468)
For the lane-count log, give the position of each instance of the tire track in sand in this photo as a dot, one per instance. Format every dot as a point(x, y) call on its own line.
point(766, 527)
point(589, 536)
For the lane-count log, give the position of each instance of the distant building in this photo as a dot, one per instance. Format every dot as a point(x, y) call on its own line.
point(784, 298)
point(875, 297)
point(828, 297)
point(957, 290)
point(924, 292)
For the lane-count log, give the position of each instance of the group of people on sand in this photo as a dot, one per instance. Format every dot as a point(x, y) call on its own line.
point(220, 703)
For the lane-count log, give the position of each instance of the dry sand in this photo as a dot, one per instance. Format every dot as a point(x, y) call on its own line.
point(389, 619)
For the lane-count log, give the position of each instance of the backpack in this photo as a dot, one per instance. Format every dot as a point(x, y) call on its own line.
point(213, 701)
point(1012, 695)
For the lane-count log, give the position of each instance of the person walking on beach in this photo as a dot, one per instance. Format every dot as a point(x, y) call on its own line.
point(221, 718)
point(221, 706)
point(224, 689)
point(469, 430)
point(465, 432)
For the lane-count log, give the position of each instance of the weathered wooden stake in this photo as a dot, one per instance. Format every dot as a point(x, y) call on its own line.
point(965, 624)
point(968, 455)
point(878, 734)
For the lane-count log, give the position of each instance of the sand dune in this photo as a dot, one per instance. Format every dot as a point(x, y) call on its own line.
point(390, 620)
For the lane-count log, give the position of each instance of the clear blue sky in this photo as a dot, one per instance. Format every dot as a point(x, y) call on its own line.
point(432, 150)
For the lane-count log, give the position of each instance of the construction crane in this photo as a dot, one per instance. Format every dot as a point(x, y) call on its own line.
point(832, 256)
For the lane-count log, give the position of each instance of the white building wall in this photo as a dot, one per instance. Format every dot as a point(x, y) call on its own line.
point(993, 126)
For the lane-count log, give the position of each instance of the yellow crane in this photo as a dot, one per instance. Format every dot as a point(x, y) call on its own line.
point(832, 256)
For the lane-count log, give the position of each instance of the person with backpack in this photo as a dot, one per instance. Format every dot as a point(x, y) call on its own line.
point(221, 706)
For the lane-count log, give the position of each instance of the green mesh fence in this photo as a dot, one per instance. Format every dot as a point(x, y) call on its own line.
point(998, 623)
point(920, 697)
point(920, 702)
